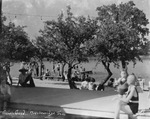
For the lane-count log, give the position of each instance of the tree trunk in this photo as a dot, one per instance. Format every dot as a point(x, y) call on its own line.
point(2, 73)
point(41, 69)
point(106, 65)
point(62, 71)
point(124, 65)
point(69, 75)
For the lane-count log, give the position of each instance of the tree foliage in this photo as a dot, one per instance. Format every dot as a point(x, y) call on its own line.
point(122, 31)
point(66, 37)
point(120, 35)
point(15, 44)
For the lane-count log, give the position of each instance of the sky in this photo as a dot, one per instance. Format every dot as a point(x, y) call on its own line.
point(32, 13)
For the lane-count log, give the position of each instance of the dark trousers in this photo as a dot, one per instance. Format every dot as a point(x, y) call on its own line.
point(31, 82)
point(4, 100)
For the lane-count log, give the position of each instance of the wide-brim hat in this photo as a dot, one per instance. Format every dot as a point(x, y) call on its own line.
point(23, 70)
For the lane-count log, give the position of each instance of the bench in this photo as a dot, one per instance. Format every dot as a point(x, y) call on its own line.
point(48, 77)
point(86, 72)
point(53, 77)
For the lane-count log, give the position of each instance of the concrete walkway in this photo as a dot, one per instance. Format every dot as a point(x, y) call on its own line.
point(78, 102)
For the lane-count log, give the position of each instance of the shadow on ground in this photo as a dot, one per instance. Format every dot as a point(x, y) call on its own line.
point(54, 96)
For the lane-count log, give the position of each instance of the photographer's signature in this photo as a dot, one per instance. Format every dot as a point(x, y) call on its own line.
point(33, 113)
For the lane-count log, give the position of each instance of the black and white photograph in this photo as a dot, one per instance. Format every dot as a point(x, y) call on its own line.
point(74, 59)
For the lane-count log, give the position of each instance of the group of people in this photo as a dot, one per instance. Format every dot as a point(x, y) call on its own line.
point(126, 86)
point(25, 80)
point(88, 84)
point(128, 99)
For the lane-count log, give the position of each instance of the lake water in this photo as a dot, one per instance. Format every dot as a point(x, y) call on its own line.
point(141, 69)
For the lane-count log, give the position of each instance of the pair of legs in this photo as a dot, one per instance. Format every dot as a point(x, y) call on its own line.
point(31, 82)
point(122, 106)
point(4, 100)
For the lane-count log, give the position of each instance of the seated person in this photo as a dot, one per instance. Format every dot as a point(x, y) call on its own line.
point(123, 77)
point(100, 87)
point(24, 77)
point(111, 82)
point(92, 86)
point(122, 89)
point(47, 73)
point(121, 80)
point(130, 102)
point(85, 84)
point(5, 93)
point(73, 84)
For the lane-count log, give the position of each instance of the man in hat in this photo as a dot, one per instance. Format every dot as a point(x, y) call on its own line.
point(25, 77)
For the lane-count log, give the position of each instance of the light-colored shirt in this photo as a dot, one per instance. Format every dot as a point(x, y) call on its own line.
point(91, 86)
point(84, 85)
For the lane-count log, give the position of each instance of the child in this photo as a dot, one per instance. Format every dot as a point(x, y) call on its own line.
point(120, 84)
point(123, 77)
point(122, 89)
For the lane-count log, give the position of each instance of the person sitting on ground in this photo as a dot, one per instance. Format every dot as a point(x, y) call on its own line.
point(73, 84)
point(85, 84)
point(100, 87)
point(25, 77)
point(111, 82)
point(92, 86)
point(128, 103)
point(5, 92)
point(47, 74)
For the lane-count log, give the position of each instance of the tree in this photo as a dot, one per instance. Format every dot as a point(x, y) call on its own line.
point(121, 35)
point(130, 31)
point(14, 44)
point(65, 38)
point(41, 50)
